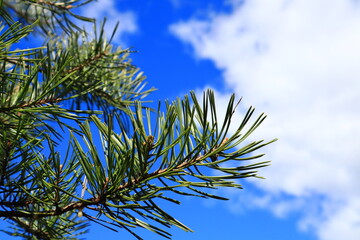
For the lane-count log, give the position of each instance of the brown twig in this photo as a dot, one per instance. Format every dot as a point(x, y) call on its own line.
point(31, 104)
point(181, 166)
point(16, 204)
point(57, 212)
point(87, 63)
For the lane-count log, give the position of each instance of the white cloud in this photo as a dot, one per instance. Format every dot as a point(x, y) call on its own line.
point(107, 9)
point(299, 62)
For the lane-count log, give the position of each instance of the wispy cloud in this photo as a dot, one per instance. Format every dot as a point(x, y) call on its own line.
point(299, 62)
point(107, 9)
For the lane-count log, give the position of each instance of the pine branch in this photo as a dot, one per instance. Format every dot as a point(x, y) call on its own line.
point(60, 5)
point(30, 229)
point(88, 62)
point(51, 15)
point(160, 172)
point(145, 154)
point(49, 101)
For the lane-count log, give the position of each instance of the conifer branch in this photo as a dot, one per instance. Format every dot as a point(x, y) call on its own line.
point(60, 164)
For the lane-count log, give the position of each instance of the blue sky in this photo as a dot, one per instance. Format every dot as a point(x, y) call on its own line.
point(297, 61)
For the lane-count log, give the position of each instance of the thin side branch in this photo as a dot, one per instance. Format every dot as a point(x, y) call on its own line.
point(38, 233)
point(48, 101)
